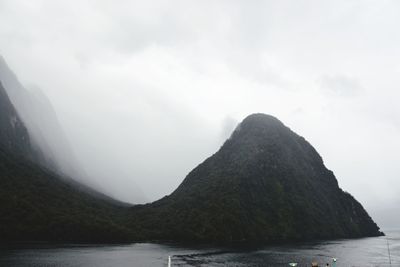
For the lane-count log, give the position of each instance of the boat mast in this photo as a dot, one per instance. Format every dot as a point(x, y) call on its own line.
point(388, 247)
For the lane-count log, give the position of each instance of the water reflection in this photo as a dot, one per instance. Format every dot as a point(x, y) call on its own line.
point(359, 252)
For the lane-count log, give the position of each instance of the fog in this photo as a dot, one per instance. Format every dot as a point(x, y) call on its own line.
point(146, 90)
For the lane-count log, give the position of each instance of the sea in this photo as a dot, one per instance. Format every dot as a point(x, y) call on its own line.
point(375, 251)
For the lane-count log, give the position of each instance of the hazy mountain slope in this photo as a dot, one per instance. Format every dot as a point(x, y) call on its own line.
point(41, 121)
point(37, 205)
point(266, 183)
point(48, 137)
point(13, 134)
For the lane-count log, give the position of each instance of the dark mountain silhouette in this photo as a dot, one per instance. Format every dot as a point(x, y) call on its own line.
point(265, 184)
point(38, 205)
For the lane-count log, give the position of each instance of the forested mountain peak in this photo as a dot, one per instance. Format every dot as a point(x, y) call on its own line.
point(266, 183)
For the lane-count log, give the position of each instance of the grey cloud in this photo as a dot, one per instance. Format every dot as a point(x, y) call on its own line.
point(340, 85)
point(228, 126)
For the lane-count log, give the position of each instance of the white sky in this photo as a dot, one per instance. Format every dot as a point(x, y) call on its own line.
point(146, 90)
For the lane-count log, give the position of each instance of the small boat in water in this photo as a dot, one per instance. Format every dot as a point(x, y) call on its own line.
point(315, 264)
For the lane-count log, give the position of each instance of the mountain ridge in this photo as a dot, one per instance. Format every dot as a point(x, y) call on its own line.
point(13, 134)
point(39, 117)
point(37, 204)
point(265, 184)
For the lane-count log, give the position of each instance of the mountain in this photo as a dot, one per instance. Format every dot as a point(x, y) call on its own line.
point(265, 184)
point(38, 204)
point(40, 119)
point(13, 134)
point(48, 138)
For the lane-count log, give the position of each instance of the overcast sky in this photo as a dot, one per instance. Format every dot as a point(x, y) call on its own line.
point(146, 90)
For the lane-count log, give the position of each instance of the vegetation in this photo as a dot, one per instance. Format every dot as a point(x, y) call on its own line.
point(37, 205)
point(265, 184)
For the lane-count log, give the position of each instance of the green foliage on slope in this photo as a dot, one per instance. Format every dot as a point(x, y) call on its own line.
point(265, 184)
point(38, 205)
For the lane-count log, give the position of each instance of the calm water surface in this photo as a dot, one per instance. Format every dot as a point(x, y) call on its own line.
point(359, 252)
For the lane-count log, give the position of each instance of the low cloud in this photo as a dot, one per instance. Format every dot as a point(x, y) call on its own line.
point(340, 85)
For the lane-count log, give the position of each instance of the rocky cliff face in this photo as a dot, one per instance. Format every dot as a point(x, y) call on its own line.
point(266, 183)
point(13, 134)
